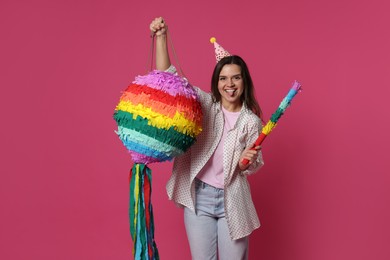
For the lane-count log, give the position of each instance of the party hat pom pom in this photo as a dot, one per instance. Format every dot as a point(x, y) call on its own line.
point(212, 39)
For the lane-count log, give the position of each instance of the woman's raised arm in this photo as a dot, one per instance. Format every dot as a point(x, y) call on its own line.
point(159, 28)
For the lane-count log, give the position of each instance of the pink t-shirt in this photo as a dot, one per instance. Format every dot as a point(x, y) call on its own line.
point(212, 172)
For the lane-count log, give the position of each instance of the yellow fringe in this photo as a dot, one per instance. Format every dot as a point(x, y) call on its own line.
point(158, 120)
point(268, 127)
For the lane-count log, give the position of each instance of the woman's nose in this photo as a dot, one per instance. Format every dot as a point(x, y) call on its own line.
point(231, 82)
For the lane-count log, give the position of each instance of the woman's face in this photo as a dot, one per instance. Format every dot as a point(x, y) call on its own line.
point(231, 86)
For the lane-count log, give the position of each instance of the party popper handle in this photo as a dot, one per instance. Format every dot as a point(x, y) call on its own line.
point(258, 142)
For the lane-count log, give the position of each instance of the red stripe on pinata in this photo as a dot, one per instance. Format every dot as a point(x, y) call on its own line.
point(138, 94)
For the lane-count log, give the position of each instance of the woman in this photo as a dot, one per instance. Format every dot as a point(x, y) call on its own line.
point(210, 180)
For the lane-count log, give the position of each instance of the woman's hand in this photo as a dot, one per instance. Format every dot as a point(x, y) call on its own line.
point(158, 26)
point(250, 154)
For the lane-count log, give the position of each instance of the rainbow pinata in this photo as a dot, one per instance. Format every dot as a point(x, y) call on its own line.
point(158, 117)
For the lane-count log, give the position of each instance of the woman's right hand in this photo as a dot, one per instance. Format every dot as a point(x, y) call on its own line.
point(158, 26)
point(250, 154)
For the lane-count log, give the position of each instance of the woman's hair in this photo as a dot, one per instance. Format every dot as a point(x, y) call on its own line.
point(248, 96)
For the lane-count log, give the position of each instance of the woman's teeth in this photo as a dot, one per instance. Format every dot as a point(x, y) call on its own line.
point(230, 91)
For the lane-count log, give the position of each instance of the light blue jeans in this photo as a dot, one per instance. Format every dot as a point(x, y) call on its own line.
point(207, 229)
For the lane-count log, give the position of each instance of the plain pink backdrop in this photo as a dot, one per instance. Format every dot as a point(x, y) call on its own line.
point(324, 190)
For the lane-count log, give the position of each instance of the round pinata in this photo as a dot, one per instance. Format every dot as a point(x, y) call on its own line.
point(158, 117)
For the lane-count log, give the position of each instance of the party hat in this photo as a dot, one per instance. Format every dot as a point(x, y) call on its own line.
point(220, 52)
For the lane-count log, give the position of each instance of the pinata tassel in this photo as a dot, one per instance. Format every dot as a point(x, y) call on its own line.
point(141, 213)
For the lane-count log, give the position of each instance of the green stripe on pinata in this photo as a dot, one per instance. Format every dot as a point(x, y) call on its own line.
point(139, 124)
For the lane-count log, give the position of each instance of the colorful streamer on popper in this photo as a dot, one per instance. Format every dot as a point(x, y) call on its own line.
point(158, 117)
point(271, 124)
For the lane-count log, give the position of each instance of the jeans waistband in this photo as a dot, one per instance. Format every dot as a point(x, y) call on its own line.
point(204, 185)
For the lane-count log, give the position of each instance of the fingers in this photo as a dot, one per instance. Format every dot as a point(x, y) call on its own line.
point(257, 148)
point(158, 26)
point(253, 150)
point(249, 157)
point(251, 153)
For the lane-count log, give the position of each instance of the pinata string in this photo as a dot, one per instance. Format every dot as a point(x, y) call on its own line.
point(151, 58)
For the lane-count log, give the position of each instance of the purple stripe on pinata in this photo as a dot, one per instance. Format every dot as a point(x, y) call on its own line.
point(167, 82)
point(142, 158)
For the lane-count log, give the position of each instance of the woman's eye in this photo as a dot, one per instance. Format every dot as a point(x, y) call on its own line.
point(221, 79)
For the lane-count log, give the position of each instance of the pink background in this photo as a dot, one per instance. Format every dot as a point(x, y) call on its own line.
point(324, 190)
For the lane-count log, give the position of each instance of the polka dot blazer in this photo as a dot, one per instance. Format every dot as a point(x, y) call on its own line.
point(240, 212)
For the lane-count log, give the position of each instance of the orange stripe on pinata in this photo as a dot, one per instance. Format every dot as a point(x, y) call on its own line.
point(163, 108)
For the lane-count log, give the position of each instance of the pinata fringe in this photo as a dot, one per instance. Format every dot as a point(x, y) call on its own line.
point(159, 120)
point(167, 82)
point(141, 213)
point(159, 117)
point(163, 102)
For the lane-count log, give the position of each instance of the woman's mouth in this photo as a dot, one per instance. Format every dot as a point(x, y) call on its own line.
point(230, 92)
